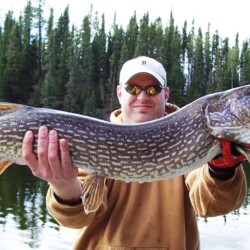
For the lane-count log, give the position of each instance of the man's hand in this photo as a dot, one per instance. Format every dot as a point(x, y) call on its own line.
point(223, 165)
point(48, 165)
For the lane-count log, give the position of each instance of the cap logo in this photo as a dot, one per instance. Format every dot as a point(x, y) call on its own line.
point(143, 62)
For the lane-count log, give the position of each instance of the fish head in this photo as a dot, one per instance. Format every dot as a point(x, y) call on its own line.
point(228, 115)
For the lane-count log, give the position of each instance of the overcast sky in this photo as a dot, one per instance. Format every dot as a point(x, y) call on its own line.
point(228, 17)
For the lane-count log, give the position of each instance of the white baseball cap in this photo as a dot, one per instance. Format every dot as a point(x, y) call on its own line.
point(143, 64)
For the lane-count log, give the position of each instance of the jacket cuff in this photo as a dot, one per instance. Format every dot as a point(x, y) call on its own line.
point(222, 173)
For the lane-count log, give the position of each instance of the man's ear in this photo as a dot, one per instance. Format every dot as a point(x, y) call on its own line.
point(167, 93)
point(119, 92)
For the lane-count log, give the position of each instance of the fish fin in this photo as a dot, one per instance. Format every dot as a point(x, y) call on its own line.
point(6, 106)
point(244, 151)
point(4, 164)
point(92, 195)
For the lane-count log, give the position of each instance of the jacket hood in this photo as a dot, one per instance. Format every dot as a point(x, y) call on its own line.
point(116, 115)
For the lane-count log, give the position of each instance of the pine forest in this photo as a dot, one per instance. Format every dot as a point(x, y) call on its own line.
point(49, 63)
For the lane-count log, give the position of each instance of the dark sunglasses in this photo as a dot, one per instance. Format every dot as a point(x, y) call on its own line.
point(136, 90)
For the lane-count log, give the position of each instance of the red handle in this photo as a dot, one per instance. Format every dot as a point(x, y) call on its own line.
point(228, 159)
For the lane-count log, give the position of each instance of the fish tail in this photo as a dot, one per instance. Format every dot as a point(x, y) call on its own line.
point(7, 106)
point(4, 164)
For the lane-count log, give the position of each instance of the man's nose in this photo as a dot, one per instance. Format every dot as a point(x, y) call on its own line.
point(143, 95)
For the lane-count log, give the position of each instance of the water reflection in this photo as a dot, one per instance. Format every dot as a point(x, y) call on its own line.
point(228, 232)
point(26, 224)
point(24, 220)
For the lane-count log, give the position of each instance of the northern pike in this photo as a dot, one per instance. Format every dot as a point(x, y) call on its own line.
point(170, 146)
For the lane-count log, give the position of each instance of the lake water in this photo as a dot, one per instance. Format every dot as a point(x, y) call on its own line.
point(25, 223)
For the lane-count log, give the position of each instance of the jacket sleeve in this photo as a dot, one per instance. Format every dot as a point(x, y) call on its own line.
point(72, 216)
point(212, 197)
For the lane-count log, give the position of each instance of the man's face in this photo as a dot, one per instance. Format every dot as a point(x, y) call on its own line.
point(142, 107)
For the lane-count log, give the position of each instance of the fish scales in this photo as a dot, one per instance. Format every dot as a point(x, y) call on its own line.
point(137, 158)
point(150, 151)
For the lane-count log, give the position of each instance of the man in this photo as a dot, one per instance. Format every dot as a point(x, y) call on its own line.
point(156, 215)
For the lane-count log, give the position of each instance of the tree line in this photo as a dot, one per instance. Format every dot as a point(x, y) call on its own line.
point(51, 64)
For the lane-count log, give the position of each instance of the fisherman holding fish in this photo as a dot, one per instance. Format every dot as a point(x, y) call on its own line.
point(149, 215)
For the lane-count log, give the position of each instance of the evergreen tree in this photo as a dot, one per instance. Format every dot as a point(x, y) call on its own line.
point(199, 69)
point(190, 56)
point(167, 51)
point(217, 77)
point(28, 57)
point(171, 54)
point(71, 103)
point(155, 38)
point(233, 62)
point(86, 61)
point(208, 63)
point(130, 40)
point(226, 84)
point(61, 46)
point(89, 104)
point(142, 48)
point(245, 63)
point(4, 44)
point(197, 86)
point(10, 90)
point(48, 96)
point(184, 42)
point(99, 50)
point(115, 64)
point(57, 73)
point(40, 21)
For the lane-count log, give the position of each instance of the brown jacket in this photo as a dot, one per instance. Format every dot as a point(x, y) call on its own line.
point(157, 215)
